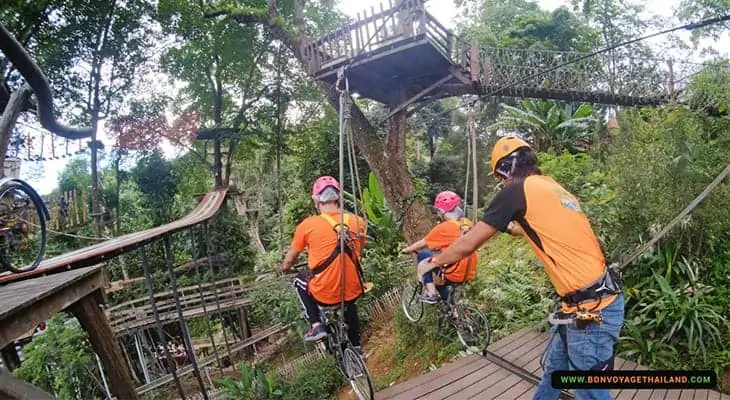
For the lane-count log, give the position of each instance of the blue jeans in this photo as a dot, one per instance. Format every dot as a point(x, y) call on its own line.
point(587, 347)
point(442, 289)
point(428, 276)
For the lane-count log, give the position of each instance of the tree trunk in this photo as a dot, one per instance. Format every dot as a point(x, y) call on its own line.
point(387, 159)
point(8, 119)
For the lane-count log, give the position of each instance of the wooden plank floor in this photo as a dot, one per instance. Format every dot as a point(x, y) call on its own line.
point(25, 304)
point(474, 377)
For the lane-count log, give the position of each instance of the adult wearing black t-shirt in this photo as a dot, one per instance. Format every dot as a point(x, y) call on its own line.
point(550, 219)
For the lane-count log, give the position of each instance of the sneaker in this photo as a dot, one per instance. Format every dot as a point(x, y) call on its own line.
point(427, 298)
point(358, 350)
point(316, 332)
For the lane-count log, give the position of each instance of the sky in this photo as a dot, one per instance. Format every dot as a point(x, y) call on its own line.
point(44, 175)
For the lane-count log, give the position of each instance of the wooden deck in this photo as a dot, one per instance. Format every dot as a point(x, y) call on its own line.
point(25, 304)
point(476, 377)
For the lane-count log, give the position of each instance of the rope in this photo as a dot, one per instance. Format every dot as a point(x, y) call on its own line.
point(344, 117)
point(690, 26)
point(66, 234)
point(691, 206)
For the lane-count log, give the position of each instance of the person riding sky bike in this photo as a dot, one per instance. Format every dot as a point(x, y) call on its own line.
point(454, 224)
point(537, 208)
point(320, 283)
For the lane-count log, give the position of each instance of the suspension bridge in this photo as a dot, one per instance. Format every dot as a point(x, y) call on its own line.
point(402, 55)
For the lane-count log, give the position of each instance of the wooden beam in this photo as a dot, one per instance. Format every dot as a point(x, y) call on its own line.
point(21, 320)
point(105, 344)
point(14, 388)
point(420, 94)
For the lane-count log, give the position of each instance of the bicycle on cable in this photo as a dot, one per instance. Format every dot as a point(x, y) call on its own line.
point(471, 324)
point(349, 361)
point(23, 214)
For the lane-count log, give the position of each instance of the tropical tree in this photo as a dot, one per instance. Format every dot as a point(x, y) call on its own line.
point(550, 125)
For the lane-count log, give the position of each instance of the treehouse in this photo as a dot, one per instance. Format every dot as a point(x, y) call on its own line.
point(402, 55)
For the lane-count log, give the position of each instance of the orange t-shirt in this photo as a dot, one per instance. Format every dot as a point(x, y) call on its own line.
point(440, 238)
point(319, 238)
point(557, 230)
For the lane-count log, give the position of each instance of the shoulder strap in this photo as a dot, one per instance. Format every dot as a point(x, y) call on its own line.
point(337, 227)
point(464, 224)
point(334, 223)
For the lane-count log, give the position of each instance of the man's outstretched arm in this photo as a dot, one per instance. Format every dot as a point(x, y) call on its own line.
point(289, 259)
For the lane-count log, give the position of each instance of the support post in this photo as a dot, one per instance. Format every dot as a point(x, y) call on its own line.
point(474, 62)
point(142, 359)
point(245, 329)
point(158, 323)
point(183, 327)
point(105, 344)
point(475, 175)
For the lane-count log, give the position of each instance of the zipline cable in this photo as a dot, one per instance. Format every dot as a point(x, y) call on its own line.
point(691, 206)
point(344, 117)
point(690, 26)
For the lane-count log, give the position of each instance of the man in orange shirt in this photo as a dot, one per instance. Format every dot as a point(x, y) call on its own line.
point(454, 224)
point(321, 284)
point(537, 208)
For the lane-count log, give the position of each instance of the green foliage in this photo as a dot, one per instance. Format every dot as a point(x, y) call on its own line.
point(549, 125)
point(316, 381)
point(511, 288)
point(75, 176)
point(61, 361)
point(155, 180)
point(253, 384)
point(229, 235)
point(674, 307)
point(277, 303)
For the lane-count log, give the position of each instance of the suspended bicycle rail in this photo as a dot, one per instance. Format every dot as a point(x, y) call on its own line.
point(97, 253)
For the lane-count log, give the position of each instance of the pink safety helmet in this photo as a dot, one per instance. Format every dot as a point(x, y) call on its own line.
point(322, 183)
point(446, 201)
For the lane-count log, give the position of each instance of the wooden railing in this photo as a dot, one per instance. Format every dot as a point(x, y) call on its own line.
point(409, 20)
point(224, 294)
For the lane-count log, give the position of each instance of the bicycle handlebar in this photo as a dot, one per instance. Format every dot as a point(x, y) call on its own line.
point(38, 81)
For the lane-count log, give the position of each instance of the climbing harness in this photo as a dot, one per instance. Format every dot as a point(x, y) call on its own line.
point(344, 235)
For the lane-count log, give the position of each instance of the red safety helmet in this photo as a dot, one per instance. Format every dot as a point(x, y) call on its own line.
point(446, 201)
point(322, 183)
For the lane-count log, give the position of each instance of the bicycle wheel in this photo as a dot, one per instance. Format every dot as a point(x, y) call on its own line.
point(21, 207)
point(412, 305)
point(472, 328)
point(357, 373)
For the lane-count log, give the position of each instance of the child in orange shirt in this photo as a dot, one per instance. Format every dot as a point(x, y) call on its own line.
point(453, 226)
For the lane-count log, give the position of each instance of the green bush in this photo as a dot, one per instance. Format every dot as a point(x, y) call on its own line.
point(510, 286)
point(254, 384)
point(316, 381)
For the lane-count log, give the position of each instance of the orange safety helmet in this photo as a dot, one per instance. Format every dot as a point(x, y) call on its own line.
point(504, 147)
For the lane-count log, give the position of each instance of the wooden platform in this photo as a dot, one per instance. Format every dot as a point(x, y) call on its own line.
point(475, 377)
point(25, 304)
